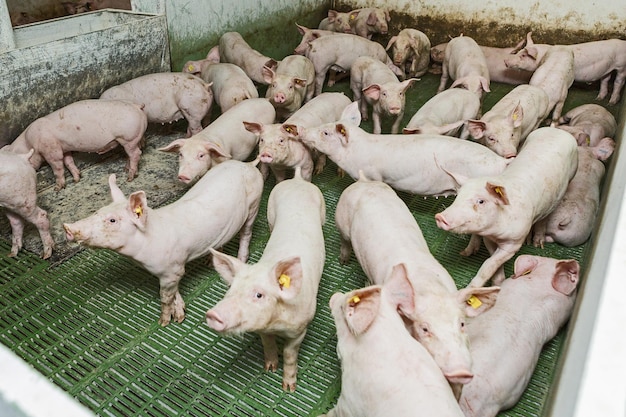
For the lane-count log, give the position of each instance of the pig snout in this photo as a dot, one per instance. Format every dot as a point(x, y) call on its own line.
point(279, 98)
point(215, 321)
point(459, 377)
point(395, 110)
point(441, 222)
point(266, 157)
point(184, 178)
point(69, 235)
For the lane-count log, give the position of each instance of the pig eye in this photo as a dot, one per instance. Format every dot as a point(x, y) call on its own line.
point(491, 139)
point(201, 155)
point(480, 201)
point(258, 295)
point(261, 140)
point(112, 220)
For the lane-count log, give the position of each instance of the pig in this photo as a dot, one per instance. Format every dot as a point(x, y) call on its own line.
point(417, 164)
point(167, 97)
point(503, 208)
point(309, 35)
point(374, 222)
point(225, 138)
point(277, 296)
point(572, 221)
point(282, 152)
point(229, 83)
point(338, 21)
point(368, 21)
point(18, 197)
point(553, 71)
point(465, 63)
point(410, 48)
point(371, 332)
point(503, 365)
point(290, 85)
point(505, 126)
point(589, 123)
point(221, 204)
point(341, 50)
point(84, 126)
point(235, 50)
point(495, 56)
point(372, 82)
point(445, 114)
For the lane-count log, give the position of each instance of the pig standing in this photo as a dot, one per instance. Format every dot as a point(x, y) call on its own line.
point(374, 222)
point(384, 371)
point(507, 340)
point(221, 204)
point(341, 50)
point(411, 48)
point(368, 21)
point(572, 221)
point(167, 97)
point(235, 50)
point(465, 63)
point(372, 82)
point(225, 138)
point(503, 128)
point(503, 209)
point(338, 21)
point(445, 113)
point(282, 152)
point(290, 85)
point(83, 126)
point(18, 196)
point(277, 296)
point(413, 163)
point(589, 124)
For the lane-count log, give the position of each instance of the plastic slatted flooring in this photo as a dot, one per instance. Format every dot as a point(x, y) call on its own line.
point(88, 322)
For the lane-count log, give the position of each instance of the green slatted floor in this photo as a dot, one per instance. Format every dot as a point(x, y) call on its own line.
point(87, 319)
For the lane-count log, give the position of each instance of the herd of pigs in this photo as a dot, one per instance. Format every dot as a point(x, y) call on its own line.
point(439, 351)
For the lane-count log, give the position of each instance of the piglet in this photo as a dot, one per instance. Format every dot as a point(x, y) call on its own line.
point(465, 63)
point(374, 222)
point(589, 124)
point(235, 50)
point(167, 97)
point(572, 221)
point(384, 371)
point(283, 152)
point(410, 48)
point(445, 113)
point(417, 164)
point(290, 85)
point(221, 204)
point(277, 296)
point(372, 82)
point(338, 21)
point(368, 21)
point(507, 340)
point(83, 126)
point(18, 197)
point(309, 35)
point(225, 138)
point(503, 208)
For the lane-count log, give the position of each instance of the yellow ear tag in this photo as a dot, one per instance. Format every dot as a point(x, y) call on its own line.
point(138, 211)
point(351, 17)
point(354, 300)
point(588, 141)
point(284, 281)
point(515, 116)
point(289, 130)
point(498, 190)
point(190, 68)
point(474, 302)
point(343, 131)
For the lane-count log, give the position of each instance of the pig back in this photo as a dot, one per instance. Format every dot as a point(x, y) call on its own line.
point(324, 108)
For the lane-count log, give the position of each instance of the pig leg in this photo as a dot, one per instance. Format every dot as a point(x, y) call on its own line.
point(473, 246)
point(498, 277)
point(290, 362)
point(604, 89)
point(320, 163)
point(444, 78)
point(245, 235)
point(39, 218)
point(376, 129)
point(53, 154)
point(270, 352)
point(172, 304)
point(68, 160)
point(618, 84)
point(194, 115)
point(345, 250)
point(134, 153)
point(492, 264)
point(320, 76)
point(17, 231)
point(395, 128)
point(539, 233)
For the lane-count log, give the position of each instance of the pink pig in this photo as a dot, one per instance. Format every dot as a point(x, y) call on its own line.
point(277, 296)
point(83, 126)
point(235, 50)
point(338, 21)
point(411, 48)
point(309, 35)
point(507, 340)
point(220, 205)
point(465, 63)
point(290, 85)
point(18, 196)
point(368, 21)
point(589, 124)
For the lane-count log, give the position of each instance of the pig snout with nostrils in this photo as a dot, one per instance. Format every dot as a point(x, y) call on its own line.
point(277, 296)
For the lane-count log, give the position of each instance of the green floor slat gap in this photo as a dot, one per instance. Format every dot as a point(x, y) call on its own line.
point(88, 319)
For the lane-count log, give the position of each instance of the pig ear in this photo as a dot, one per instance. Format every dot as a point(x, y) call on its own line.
point(352, 114)
point(214, 54)
point(604, 149)
point(476, 128)
point(524, 265)
point(458, 82)
point(476, 301)
point(138, 206)
point(302, 29)
point(532, 52)
point(253, 127)
point(300, 82)
point(529, 39)
point(343, 133)
point(408, 83)
point(371, 18)
point(517, 115)
point(565, 277)
point(116, 194)
point(372, 91)
point(387, 16)
point(268, 74)
point(499, 192)
point(271, 64)
point(331, 15)
point(288, 276)
point(450, 127)
point(291, 130)
point(227, 266)
point(485, 84)
point(411, 130)
point(391, 42)
point(174, 146)
point(215, 150)
point(362, 308)
point(401, 291)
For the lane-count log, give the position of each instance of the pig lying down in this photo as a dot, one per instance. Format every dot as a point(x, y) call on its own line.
point(277, 296)
point(384, 371)
point(83, 126)
point(18, 197)
point(589, 124)
point(224, 202)
point(507, 340)
point(167, 97)
point(503, 208)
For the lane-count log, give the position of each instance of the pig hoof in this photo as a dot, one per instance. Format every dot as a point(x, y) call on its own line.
point(289, 386)
point(271, 366)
